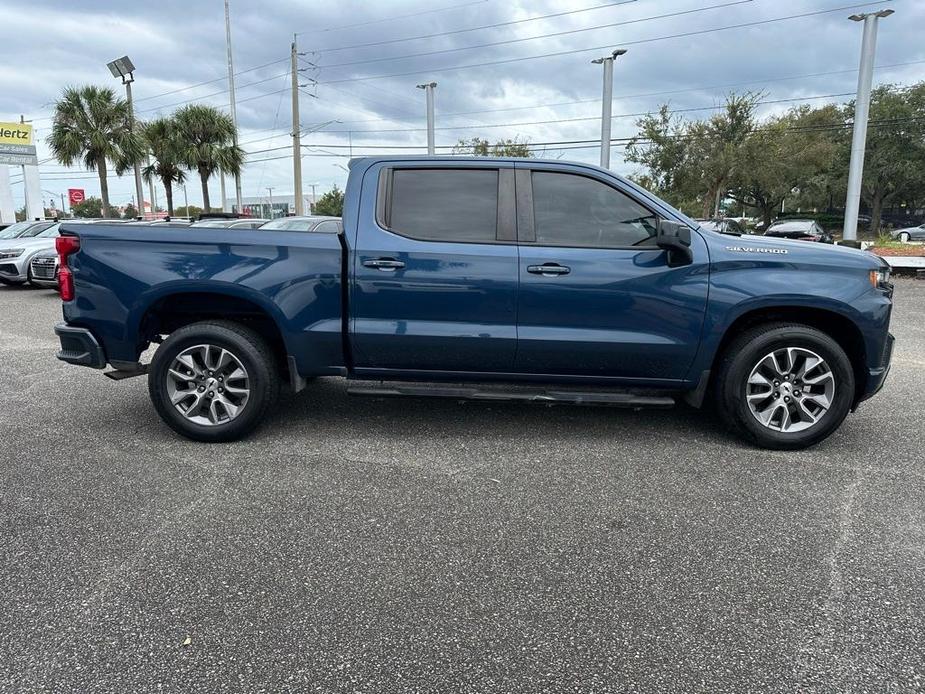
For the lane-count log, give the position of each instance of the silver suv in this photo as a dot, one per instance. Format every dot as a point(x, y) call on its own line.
point(43, 269)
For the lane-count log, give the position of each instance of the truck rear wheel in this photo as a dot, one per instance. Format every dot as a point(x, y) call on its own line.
point(784, 386)
point(213, 381)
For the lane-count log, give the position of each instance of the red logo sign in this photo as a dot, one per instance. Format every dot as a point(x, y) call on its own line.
point(75, 195)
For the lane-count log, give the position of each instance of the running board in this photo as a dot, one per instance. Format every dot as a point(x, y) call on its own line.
point(516, 393)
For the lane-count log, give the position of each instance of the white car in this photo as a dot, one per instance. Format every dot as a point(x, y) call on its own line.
point(16, 254)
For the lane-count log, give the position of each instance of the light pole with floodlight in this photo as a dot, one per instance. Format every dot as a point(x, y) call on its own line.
point(123, 67)
point(607, 104)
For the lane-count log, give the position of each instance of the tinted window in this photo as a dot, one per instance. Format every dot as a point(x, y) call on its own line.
point(290, 224)
point(445, 204)
point(571, 210)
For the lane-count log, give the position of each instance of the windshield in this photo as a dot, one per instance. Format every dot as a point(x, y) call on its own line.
point(791, 226)
point(14, 230)
point(37, 230)
point(291, 224)
point(50, 232)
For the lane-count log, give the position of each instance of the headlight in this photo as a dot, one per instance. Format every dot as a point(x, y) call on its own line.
point(880, 278)
point(11, 253)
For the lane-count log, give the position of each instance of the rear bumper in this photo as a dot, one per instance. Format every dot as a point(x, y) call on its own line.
point(79, 346)
point(877, 377)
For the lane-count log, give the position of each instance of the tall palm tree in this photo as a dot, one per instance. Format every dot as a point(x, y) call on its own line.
point(92, 125)
point(161, 138)
point(206, 138)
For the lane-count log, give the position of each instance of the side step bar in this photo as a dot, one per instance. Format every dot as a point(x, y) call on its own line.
point(516, 393)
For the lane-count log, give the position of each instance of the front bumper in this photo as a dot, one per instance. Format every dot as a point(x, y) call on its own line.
point(877, 377)
point(14, 270)
point(79, 346)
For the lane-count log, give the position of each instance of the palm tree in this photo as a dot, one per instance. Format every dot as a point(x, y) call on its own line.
point(206, 138)
point(160, 135)
point(93, 126)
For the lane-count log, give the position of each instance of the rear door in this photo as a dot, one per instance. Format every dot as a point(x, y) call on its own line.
point(435, 269)
point(597, 297)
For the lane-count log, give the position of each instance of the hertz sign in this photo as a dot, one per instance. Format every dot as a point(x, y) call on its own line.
point(16, 144)
point(15, 134)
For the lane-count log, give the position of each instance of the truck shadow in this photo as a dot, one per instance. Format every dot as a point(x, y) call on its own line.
point(326, 408)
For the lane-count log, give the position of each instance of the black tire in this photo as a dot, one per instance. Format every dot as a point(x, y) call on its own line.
point(744, 353)
point(253, 353)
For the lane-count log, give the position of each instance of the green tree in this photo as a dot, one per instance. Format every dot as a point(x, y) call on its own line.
point(129, 212)
point(331, 203)
point(192, 211)
point(784, 155)
point(90, 207)
point(894, 162)
point(92, 126)
point(501, 148)
point(205, 139)
point(161, 138)
point(693, 163)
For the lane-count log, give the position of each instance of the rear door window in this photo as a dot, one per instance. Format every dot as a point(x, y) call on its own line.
point(455, 205)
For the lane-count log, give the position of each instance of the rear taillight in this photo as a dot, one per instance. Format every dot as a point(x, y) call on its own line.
point(66, 246)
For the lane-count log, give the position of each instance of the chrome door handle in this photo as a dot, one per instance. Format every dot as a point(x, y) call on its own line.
point(384, 264)
point(549, 270)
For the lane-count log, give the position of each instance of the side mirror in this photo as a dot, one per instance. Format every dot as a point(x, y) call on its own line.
point(675, 238)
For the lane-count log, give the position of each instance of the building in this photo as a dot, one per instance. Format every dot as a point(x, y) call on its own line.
point(282, 205)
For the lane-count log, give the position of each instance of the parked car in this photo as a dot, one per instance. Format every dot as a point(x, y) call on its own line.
point(244, 223)
point(306, 223)
point(23, 228)
point(910, 233)
point(800, 230)
point(723, 226)
point(487, 279)
point(43, 269)
point(17, 253)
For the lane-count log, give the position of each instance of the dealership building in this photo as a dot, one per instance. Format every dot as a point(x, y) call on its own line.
point(267, 207)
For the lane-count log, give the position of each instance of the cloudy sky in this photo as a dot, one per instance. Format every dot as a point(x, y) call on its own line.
point(504, 68)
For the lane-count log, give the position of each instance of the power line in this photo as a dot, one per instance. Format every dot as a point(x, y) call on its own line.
point(394, 17)
point(507, 61)
point(477, 28)
point(542, 36)
point(584, 118)
point(202, 84)
point(219, 93)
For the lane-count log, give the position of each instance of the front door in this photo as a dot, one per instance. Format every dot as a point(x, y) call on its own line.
point(597, 297)
point(435, 273)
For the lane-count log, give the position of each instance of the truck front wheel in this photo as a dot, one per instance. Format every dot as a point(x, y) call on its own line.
point(213, 381)
point(784, 386)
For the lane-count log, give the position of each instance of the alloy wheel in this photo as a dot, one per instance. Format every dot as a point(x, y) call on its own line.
point(790, 389)
point(208, 385)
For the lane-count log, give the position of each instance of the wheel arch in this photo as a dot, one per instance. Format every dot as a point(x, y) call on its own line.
point(838, 326)
point(171, 308)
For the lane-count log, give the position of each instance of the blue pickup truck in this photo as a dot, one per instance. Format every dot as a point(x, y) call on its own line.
point(487, 279)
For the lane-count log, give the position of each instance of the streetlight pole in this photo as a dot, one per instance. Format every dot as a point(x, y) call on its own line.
point(234, 116)
point(123, 67)
point(270, 191)
point(607, 104)
point(429, 92)
point(314, 199)
point(861, 113)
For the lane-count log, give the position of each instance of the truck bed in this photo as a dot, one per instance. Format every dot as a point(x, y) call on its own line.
point(127, 273)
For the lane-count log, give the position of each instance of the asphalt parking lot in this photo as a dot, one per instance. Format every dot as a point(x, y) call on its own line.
point(362, 545)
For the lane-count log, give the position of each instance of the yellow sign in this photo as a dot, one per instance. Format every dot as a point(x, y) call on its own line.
point(15, 134)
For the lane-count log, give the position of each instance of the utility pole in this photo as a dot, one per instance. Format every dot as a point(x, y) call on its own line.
point(607, 104)
point(314, 199)
point(185, 200)
point(234, 115)
point(152, 193)
point(270, 191)
point(25, 184)
point(296, 135)
point(429, 92)
point(861, 112)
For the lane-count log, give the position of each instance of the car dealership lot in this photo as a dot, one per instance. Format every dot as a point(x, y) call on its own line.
point(413, 545)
